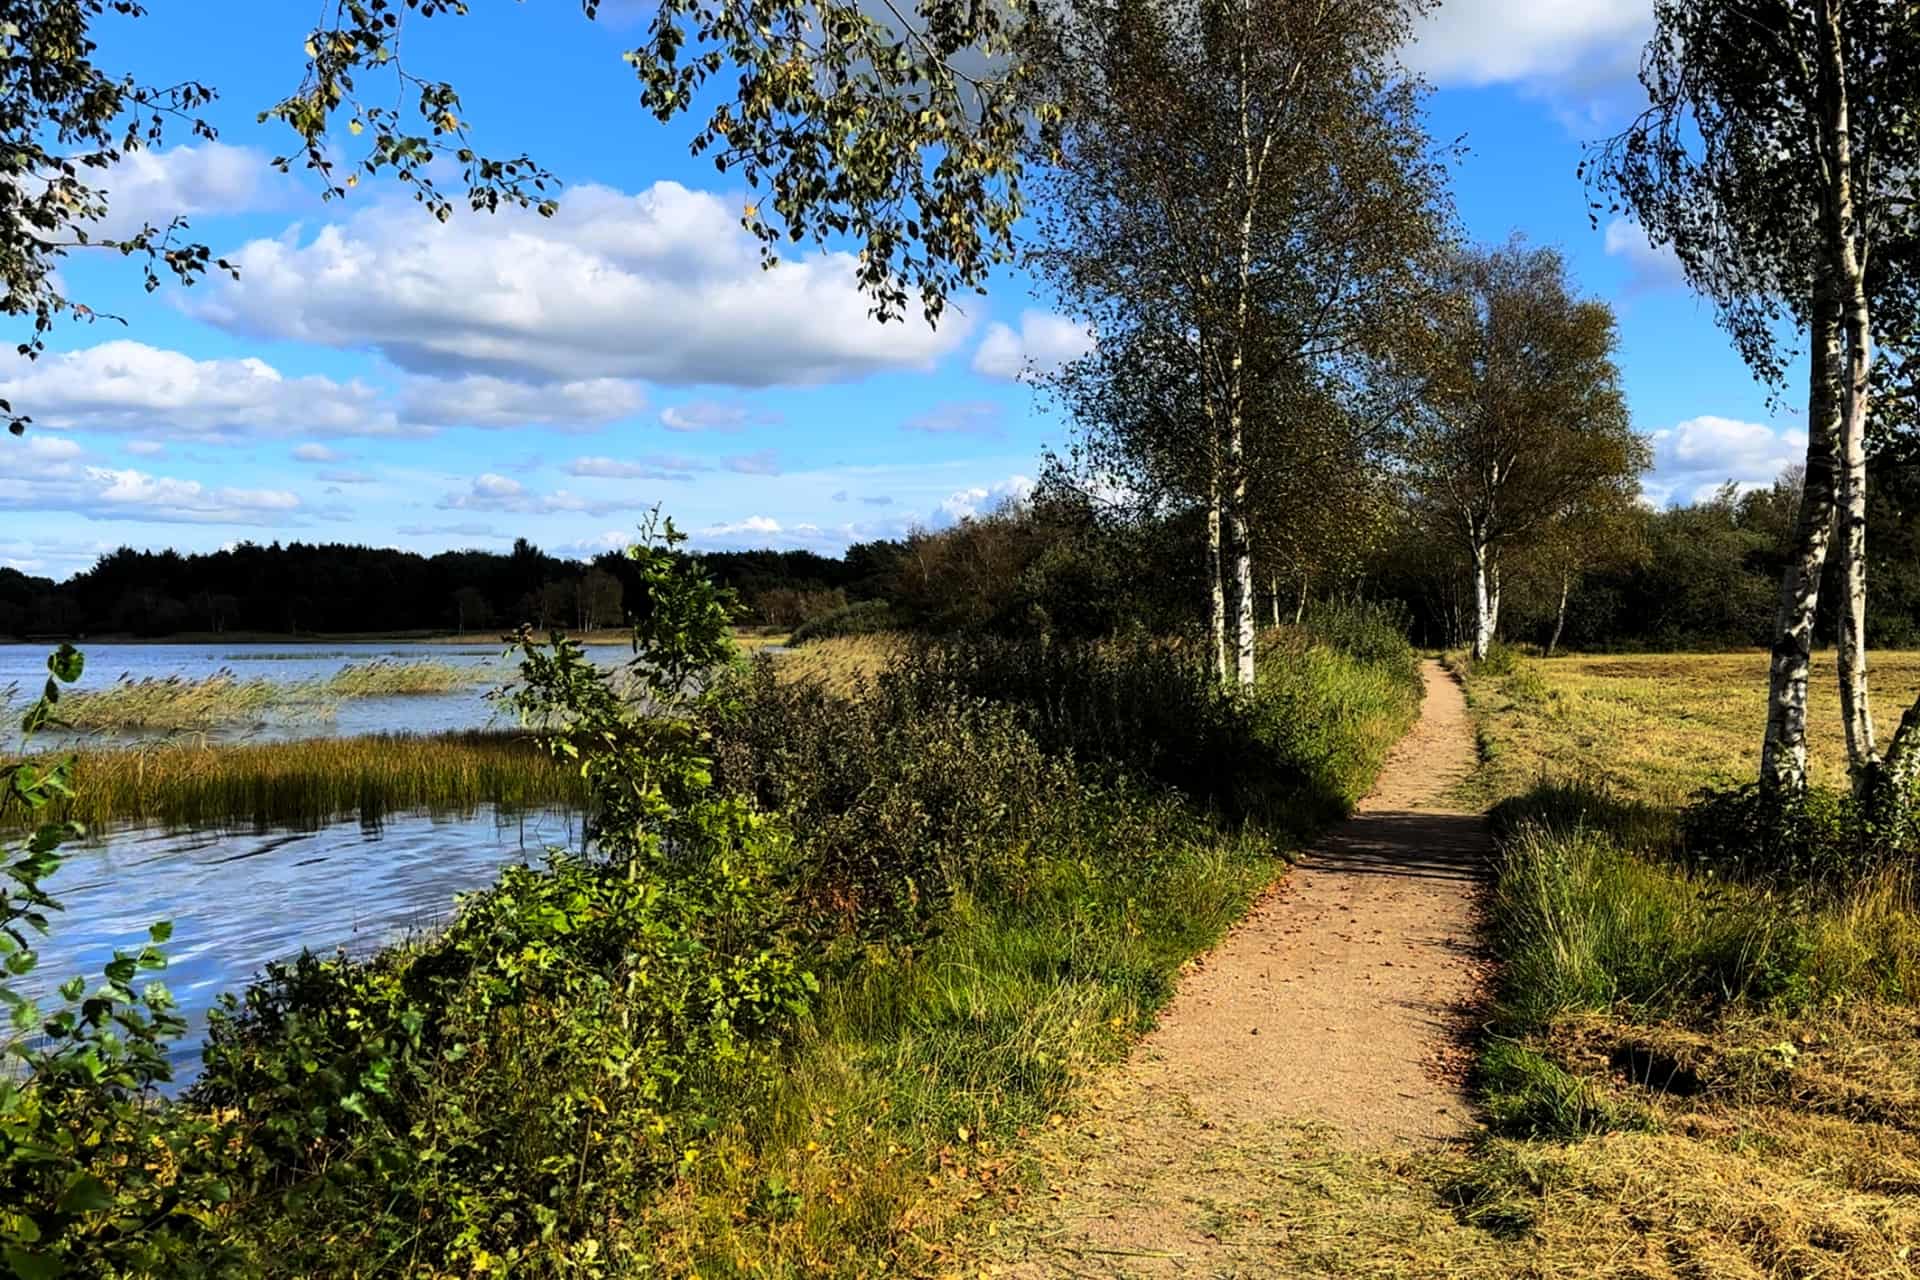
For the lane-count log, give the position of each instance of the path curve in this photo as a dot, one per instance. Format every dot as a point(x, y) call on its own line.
point(1332, 1006)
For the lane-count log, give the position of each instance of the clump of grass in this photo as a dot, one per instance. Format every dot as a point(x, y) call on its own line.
point(388, 679)
point(175, 704)
point(839, 665)
point(184, 784)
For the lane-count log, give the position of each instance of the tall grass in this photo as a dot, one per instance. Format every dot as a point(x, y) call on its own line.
point(222, 700)
point(305, 784)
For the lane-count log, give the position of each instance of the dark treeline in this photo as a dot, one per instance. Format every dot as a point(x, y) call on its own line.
point(331, 588)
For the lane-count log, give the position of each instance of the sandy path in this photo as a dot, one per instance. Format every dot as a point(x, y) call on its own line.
point(1330, 1005)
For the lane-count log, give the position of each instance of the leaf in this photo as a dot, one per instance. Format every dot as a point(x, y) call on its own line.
point(85, 1194)
point(31, 1266)
point(161, 931)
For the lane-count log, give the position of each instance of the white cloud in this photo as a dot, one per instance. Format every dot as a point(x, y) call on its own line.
point(761, 462)
point(315, 453)
point(663, 286)
point(49, 480)
point(1042, 344)
point(145, 448)
point(759, 526)
point(713, 415)
point(1692, 459)
point(1573, 43)
point(125, 385)
point(155, 187)
point(480, 400)
point(958, 418)
point(652, 467)
point(493, 492)
point(967, 503)
point(1647, 267)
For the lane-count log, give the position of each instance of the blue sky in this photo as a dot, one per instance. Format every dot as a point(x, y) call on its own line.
point(376, 377)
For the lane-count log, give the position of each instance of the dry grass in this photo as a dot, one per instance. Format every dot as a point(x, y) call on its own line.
point(839, 663)
point(1658, 727)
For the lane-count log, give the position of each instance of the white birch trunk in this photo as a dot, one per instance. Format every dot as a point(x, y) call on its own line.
point(1783, 752)
point(1216, 588)
point(1482, 601)
point(1560, 616)
point(1847, 261)
point(1273, 588)
point(1300, 604)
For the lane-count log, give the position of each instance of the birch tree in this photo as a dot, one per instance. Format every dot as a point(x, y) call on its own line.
point(1249, 179)
point(1776, 158)
point(1516, 411)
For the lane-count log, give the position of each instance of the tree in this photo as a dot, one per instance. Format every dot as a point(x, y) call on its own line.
point(1599, 528)
point(1243, 189)
point(902, 131)
point(470, 609)
point(1517, 412)
point(1776, 159)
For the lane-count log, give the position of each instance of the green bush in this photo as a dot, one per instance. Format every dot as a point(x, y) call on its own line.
point(1820, 842)
point(859, 619)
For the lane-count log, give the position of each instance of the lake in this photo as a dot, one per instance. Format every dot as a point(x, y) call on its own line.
point(239, 899)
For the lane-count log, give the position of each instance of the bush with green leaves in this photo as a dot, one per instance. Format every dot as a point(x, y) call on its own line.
point(862, 618)
point(1821, 841)
point(97, 1178)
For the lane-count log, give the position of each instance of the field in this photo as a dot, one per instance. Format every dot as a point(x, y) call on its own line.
point(1657, 727)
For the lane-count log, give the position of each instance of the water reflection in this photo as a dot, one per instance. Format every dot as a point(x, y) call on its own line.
point(239, 900)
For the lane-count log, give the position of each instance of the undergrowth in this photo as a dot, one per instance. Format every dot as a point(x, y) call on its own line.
point(829, 958)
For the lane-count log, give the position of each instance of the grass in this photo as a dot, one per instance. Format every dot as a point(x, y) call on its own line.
point(841, 663)
point(1658, 727)
point(177, 704)
point(189, 785)
point(1689, 1075)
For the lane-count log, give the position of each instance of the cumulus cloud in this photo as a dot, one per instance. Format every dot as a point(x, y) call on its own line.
point(1693, 459)
point(662, 286)
point(758, 526)
point(481, 400)
point(968, 503)
point(1647, 267)
point(493, 492)
point(1042, 343)
point(46, 476)
point(316, 453)
point(154, 187)
point(714, 415)
point(130, 386)
point(1574, 43)
point(958, 418)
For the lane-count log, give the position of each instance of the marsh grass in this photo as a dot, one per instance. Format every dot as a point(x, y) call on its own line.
point(305, 784)
point(840, 664)
point(225, 700)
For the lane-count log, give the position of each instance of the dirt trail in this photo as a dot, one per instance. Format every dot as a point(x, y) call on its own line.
point(1328, 1011)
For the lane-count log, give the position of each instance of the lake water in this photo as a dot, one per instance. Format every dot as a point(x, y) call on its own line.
point(240, 899)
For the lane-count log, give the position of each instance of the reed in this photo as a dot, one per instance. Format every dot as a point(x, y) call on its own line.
point(308, 783)
point(388, 679)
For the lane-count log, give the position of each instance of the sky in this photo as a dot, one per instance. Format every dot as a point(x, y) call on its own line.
point(374, 376)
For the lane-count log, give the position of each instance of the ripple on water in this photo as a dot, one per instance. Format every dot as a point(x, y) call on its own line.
point(239, 900)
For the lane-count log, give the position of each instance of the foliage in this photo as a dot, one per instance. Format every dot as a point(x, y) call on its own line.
point(95, 1179)
point(1821, 841)
point(863, 618)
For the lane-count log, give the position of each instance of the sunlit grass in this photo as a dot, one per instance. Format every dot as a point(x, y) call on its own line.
point(192, 785)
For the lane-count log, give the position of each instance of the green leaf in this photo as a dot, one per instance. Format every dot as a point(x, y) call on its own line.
point(30, 1266)
point(161, 931)
point(66, 663)
point(85, 1194)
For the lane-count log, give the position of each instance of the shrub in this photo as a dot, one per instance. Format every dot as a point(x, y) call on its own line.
point(862, 618)
point(1820, 841)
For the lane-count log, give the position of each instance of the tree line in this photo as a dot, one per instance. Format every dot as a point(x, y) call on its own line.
point(341, 589)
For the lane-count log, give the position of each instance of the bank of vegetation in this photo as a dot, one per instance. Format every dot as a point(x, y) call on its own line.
point(831, 954)
point(1701, 1058)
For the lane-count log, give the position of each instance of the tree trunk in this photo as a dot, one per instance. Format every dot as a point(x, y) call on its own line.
point(1560, 618)
point(1493, 601)
point(1216, 588)
point(1273, 585)
point(1482, 601)
point(1242, 563)
point(1783, 752)
point(1847, 261)
point(1300, 604)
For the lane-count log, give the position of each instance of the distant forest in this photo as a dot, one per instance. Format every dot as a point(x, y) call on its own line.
point(332, 588)
point(1698, 575)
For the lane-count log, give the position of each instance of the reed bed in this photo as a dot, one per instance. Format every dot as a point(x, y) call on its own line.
point(304, 784)
point(223, 700)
